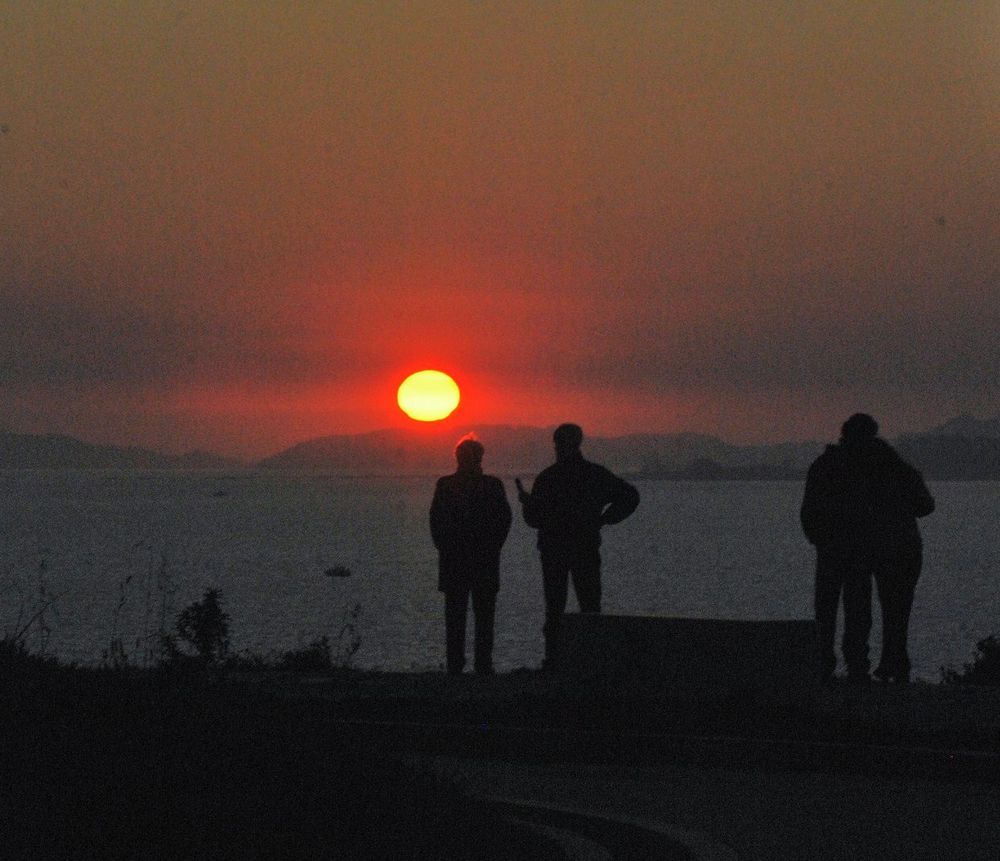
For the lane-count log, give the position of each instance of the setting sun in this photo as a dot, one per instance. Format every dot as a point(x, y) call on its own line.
point(428, 396)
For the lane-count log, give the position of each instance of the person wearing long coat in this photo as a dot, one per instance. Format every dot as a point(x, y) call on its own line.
point(469, 519)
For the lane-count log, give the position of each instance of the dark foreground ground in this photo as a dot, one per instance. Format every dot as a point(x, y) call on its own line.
point(158, 766)
point(258, 765)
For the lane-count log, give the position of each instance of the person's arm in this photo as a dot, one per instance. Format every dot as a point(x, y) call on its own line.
point(507, 514)
point(502, 516)
point(921, 499)
point(439, 516)
point(813, 514)
point(532, 504)
point(623, 500)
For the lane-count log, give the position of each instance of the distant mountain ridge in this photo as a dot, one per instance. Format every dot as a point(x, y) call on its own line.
point(393, 452)
point(967, 426)
point(527, 450)
point(963, 448)
point(54, 451)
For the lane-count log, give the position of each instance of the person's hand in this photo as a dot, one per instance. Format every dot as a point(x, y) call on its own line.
point(522, 495)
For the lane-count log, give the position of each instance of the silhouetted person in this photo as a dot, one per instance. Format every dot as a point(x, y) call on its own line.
point(859, 510)
point(900, 497)
point(470, 518)
point(836, 518)
point(568, 504)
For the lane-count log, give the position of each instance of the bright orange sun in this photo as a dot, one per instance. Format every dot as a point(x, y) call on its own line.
point(428, 396)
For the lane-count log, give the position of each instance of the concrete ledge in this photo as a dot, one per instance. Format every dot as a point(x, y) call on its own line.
point(690, 658)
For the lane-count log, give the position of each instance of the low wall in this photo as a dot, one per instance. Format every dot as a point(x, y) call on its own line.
point(702, 658)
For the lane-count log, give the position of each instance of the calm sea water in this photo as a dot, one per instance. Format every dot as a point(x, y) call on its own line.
point(113, 553)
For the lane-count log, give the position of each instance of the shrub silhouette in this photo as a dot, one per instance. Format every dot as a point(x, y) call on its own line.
point(315, 656)
point(984, 669)
point(204, 626)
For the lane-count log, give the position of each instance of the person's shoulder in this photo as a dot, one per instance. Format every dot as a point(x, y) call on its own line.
point(600, 470)
point(493, 481)
point(907, 473)
point(900, 463)
point(547, 473)
point(890, 462)
point(828, 460)
point(830, 454)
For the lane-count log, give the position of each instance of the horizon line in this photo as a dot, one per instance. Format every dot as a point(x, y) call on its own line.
point(437, 429)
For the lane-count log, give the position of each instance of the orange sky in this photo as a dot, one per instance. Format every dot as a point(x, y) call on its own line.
point(239, 226)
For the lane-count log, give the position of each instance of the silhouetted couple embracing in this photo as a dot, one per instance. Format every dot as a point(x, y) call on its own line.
point(569, 503)
point(860, 510)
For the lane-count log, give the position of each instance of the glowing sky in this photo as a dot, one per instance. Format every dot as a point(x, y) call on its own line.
point(240, 225)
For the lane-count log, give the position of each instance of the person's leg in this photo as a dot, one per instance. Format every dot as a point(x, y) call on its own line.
point(587, 581)
point(908, 587)
point(484, 603)
point(857, 593)
point(896, 584)
point(555, 574)
point(829, 576)
point(888, 599)
point(456, 604)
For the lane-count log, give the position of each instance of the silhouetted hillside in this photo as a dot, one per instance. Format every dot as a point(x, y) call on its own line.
point(963, 448)
point(952, 458)
point(967, 426)
point(942, 454)
point(427, 450)
point(52, 451)
point(526, 451)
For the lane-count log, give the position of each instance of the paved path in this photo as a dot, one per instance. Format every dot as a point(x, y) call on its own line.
point(768, 816)
point(873, 754)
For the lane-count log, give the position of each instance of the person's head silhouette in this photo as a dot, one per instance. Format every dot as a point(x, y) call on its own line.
point(858, 429)
point(469, 454)
point(567, 438)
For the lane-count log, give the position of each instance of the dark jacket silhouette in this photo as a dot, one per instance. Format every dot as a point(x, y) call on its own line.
point(469, 518)
point(863, 498)
point(572, 499)
point(898, 497)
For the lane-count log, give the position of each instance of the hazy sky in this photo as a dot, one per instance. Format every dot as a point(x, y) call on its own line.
point(237, 225)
